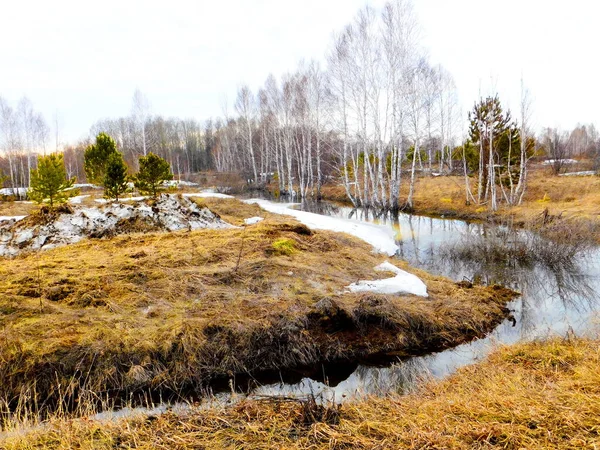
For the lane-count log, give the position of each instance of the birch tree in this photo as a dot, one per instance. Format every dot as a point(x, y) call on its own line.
point(246, 109)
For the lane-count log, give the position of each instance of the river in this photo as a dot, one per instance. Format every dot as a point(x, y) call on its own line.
point(557, 298)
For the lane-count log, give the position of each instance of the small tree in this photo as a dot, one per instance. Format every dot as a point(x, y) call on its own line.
point(49, 180)
point(115, 178)
point(3, 178)
point(96, 158)
point(154, 171)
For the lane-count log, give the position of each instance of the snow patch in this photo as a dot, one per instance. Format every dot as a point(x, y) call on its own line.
point(83, 186)
point(402, 283)
point(124, 199)
point(77, 199)
point(253, 220)
point(20, 191)
point(578, 174)
point(168, 213)
point(381, 238)
point(15, 218)
point(207, 195)
point(176, 183)
point(564, 161)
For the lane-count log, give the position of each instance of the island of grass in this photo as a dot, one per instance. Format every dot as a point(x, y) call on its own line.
point(173, 312)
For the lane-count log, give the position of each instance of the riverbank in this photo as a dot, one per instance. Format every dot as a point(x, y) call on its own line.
point(572, 198)
point(173, 312)
point(535, 395)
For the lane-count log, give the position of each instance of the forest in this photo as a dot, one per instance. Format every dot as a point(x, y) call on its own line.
point(370, 119)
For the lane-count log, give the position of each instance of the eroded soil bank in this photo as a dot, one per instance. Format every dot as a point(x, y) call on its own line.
point(166, 312)
point(535, 395)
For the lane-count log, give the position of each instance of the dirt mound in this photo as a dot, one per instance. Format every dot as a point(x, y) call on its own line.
point(67, 225)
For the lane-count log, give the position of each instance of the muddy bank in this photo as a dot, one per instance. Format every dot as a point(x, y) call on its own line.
point(172, 312)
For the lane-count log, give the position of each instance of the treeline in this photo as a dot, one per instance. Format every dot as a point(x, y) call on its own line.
point(562, 145)
point(23, 134)
point(362, 118)
point(377, 114)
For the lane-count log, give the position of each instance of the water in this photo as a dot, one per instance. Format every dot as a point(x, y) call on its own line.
point(557, 299)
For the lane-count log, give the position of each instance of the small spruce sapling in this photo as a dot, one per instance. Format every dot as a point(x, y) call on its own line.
point(154, 171)
point(49, 180)
point(115, 178)
point(96, 158)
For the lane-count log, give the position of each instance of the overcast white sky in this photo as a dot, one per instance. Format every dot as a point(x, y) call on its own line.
point(84, 60)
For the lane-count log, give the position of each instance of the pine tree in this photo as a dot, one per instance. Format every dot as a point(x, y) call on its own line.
point(49, 180)
point(96, 158)
point(115, 178)
point(154, 171)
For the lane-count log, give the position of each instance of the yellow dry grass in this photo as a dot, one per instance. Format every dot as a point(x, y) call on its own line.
point(168, 311)
point(575, 198)
point(17, 208)
point(529, 396)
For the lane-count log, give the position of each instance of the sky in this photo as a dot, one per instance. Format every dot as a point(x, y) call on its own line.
point(79, 62)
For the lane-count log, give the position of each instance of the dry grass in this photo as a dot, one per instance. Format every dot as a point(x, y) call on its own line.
point(529, 396)
point(171, 311)
point(10, 208)
point(577, 197)
point(574, 199)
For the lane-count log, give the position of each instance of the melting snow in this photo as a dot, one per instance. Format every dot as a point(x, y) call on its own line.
point(207, 195)
point(253, 220)
point(179, 183)
point(84, 185)
point(15, 218)
point(20, 191)
point(77, 199)
point(564, 161)
point(169, 213)
point(382, 238)
point(402, 283)
point(124, 199)
point(578, 174)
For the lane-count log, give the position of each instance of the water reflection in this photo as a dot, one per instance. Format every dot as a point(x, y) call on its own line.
point(559, 294)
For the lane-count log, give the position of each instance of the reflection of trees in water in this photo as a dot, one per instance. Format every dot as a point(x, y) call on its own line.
point(324, 208)
point(553, 274)
point(401, 377)
point(549, 274)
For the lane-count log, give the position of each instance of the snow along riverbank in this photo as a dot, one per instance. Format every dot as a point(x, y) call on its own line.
point(402, 283)
point(381, 238)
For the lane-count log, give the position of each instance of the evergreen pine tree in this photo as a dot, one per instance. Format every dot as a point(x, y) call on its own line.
point(96, 158)
point(154, 171)
point(115, 178)
point(49, 180)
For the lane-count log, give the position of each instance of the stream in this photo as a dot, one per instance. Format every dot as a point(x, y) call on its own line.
point(559, 297)
point(556, 299)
